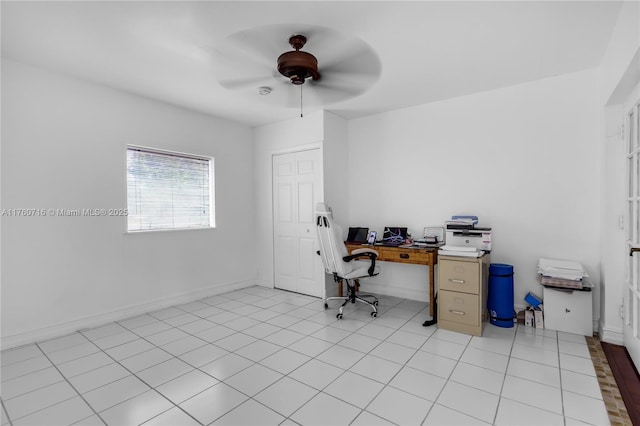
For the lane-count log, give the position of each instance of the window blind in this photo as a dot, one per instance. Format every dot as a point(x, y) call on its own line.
point(168, 190)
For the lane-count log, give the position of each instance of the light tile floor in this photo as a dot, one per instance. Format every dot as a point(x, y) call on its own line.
point(259, 356)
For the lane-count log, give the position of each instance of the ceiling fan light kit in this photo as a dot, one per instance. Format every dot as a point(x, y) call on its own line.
point(297, 65)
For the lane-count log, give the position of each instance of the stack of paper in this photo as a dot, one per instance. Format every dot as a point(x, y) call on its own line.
point(464, 251)
point(561, 273)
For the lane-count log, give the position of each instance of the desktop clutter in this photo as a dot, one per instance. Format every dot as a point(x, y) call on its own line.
point(462, 236)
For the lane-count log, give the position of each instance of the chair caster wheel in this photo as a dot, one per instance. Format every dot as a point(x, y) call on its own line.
point(326, 305)
point(374, 314)
point(339, 316)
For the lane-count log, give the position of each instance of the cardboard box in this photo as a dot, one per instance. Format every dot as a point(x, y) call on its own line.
point(529, 318)
point(538, 315)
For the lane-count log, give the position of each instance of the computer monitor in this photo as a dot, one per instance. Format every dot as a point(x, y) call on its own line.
point(357, 235)
point(394, 235)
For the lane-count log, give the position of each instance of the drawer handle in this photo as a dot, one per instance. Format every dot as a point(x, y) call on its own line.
point(404, 256)
point(456, 281)
point(457, 312)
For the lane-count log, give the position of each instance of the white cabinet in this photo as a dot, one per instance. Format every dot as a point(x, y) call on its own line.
point(568, 311)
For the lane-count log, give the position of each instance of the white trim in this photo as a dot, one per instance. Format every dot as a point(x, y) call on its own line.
point(296, 148)
point(610, 335)
point(264, 283)
point(58, 330)
point(168, 152)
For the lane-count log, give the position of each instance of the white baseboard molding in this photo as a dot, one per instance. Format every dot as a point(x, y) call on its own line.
point(611, 335)
point(263, 283)
point(58, 330)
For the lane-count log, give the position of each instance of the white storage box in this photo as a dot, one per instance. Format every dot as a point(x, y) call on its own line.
point(570, 311)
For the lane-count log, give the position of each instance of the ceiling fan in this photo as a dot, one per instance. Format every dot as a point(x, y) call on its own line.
point(298, 65)
point(252, 61)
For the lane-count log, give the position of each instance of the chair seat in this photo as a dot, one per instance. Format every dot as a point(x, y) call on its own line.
point(362, 272)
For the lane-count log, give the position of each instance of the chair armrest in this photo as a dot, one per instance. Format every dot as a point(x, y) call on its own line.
point(364, 252)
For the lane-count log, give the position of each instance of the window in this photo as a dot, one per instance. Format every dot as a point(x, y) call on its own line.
point(167, 190)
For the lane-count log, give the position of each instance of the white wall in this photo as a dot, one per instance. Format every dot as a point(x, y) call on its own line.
point(63, 146)
point(336, 172)
point(525, 159)
point(619, 73)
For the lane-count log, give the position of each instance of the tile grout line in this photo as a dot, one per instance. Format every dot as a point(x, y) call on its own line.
point(351, 333)
point(504, 378)
point(6, 412)
point(564, 415)
point(285, 325)
point(151, 366)
point(73, 387)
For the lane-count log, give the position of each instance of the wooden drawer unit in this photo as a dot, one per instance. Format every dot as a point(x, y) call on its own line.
point(404, 255)
point(462, 293)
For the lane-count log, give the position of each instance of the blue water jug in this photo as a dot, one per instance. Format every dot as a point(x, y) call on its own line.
point(500, 298)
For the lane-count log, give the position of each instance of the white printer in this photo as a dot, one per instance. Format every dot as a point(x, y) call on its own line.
point(479, 238)
point(462, 232)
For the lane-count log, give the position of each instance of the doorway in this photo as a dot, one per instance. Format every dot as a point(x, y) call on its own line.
point(297, 187)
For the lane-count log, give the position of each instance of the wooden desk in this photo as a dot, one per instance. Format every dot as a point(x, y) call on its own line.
point(418, 256)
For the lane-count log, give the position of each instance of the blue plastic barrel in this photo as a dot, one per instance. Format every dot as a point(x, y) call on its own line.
point(500, 298)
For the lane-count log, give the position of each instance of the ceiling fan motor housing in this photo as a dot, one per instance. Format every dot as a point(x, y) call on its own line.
point(297, 66)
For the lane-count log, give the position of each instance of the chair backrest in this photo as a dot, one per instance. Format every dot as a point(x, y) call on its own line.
point(332, 248)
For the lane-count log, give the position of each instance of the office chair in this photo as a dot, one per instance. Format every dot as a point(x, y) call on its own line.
point(338, 262)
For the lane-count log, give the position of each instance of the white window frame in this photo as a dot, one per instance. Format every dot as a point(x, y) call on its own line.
point(212, 203)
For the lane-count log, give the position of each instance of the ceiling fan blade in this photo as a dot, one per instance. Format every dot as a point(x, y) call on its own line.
point(349, 83)
point(361, 62)
point(242, 49)
point(240, 83)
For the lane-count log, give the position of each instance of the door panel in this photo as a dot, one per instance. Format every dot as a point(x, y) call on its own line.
point(297, 183)
point(285, 204)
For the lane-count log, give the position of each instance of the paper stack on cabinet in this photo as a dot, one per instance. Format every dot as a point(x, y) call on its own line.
point(561, 273)
point(464, 251)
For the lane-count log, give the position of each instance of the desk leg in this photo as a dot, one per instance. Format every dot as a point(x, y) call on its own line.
point(431, 285)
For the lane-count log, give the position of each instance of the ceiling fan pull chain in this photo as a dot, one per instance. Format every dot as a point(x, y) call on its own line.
point(301, 101)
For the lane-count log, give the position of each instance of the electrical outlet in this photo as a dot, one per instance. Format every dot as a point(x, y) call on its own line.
point(621, 311)
point(621, 222)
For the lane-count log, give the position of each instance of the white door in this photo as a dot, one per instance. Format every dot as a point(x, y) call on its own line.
point(632, 284)
point(297, 187)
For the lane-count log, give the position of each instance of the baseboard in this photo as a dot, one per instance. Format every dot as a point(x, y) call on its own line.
point(609, 335)
point(263, 283)
point(58, 330)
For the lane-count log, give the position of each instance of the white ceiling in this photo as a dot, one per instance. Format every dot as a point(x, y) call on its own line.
point(427, 50)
